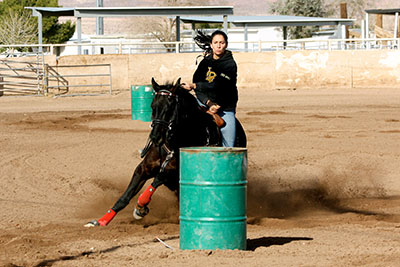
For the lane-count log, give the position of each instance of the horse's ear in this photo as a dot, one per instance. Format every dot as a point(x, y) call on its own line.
point(177, 84)
point(155, 85)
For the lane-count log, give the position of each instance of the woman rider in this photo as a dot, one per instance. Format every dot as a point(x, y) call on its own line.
point(214, 81)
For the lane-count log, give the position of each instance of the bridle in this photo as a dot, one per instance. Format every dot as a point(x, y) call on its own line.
point(169, 125)
point(171, 122)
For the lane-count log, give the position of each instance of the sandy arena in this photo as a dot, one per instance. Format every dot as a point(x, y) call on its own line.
point(324, 182)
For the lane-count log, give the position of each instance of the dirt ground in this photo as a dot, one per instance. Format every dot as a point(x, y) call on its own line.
point(324, 182)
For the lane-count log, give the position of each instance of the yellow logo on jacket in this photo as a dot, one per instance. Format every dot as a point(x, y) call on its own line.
point(210, 76)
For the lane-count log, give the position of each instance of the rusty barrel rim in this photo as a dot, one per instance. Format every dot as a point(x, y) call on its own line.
point(213, 149)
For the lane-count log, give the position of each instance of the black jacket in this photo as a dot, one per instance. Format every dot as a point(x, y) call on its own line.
point(216, 81)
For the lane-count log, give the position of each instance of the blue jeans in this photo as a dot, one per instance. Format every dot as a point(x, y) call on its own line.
point(229, 130)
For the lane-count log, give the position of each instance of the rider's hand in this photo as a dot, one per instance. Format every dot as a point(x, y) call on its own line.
point(188, 86)
point(214, 109)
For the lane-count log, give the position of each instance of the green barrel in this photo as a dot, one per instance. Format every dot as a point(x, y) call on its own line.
point(212, 198)
point(141, 98)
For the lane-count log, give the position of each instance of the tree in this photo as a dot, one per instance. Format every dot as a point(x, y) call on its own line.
point(57, 33)
point(163, 28)
point(306, 8)
point(53, 31)
point(355, 8)
point(16, 29)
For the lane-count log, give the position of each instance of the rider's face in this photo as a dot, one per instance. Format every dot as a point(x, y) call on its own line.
point(218, 45)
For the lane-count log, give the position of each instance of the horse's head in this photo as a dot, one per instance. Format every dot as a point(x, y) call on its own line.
point(164, 111)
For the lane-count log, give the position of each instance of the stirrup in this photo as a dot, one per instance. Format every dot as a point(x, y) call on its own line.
point(139, 212)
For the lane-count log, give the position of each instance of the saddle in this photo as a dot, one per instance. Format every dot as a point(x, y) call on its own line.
point(216, 118)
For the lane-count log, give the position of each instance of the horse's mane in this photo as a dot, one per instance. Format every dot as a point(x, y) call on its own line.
point(188, 100)
point(191, 123)
point(166, 86)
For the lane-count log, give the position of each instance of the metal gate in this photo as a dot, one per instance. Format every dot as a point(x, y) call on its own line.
point(88, 79)
point(21, 77)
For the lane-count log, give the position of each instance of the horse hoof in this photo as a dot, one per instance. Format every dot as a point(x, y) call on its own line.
point(140, 212)
point(93, 223)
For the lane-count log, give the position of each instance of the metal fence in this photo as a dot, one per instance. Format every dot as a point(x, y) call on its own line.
point(21, 77)
point(189, 46)
point(68, 79)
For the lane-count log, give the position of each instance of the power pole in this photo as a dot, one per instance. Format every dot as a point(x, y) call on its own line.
point(379, 20)
point(343, 15)
point(99, 20)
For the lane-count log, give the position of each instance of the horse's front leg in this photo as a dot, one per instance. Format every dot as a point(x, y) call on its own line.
point(145, 170)
point(161, 178)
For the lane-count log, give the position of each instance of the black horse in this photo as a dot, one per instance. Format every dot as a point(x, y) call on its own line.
point(177, 121)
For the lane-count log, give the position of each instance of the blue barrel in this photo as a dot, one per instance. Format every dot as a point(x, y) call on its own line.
point(141, 98)
point(213, 198)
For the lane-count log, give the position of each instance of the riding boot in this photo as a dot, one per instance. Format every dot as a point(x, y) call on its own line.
point(213, 132)
point(106, 219)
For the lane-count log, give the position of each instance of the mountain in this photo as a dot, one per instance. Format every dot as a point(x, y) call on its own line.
point(241, 7)
point(120, 26)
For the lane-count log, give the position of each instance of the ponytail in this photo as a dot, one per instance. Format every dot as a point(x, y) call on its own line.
point(203, 41)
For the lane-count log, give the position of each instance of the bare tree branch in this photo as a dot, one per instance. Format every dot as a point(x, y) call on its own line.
point(161, 28)
point(16, 28)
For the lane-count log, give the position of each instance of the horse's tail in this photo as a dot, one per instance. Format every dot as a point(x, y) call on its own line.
point(241, 139)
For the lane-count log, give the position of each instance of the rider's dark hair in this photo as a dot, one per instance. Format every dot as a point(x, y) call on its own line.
point(204, 40)
point(219, 32)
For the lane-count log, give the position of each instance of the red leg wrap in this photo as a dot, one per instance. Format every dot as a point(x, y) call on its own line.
point(106, 219)
point(145, 197)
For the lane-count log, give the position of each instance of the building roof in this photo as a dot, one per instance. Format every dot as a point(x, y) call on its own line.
point(52, 11)
point(266, 21)
point(132, 11)
point(81, 12)
point(390, 11)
